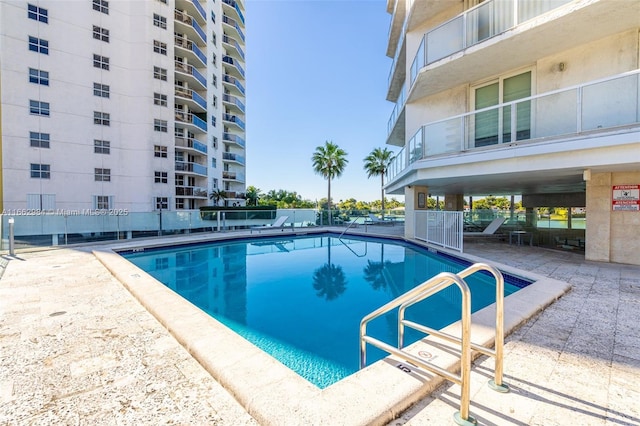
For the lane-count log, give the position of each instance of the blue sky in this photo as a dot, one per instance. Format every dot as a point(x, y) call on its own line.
point(316, 71)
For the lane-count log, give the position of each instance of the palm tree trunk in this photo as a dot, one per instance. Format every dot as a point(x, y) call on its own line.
point(329, 199)
point(382, 192)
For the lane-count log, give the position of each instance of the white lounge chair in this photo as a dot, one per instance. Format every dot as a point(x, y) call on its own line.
point(277, 224)
point(489, 230)
point(375, 220)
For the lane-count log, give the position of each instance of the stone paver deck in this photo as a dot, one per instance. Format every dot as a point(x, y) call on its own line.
point(77, 348)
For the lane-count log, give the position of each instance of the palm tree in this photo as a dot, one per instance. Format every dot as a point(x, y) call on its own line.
point(376, 164)
point(329, 161)
point(216, 195)
point(252, 195)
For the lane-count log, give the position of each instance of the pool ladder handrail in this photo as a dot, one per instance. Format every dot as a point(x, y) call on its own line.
point(348, 226)
point(425, 290)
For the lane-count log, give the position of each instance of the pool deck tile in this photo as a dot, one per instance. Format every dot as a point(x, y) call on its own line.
point(76, 348)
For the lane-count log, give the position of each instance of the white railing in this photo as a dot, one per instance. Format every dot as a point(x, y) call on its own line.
point(442, 228)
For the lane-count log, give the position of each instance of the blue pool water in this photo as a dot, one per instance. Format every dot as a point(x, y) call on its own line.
point(301, 299)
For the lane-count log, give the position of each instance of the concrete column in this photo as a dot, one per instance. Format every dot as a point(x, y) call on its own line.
point(415, 198)
point(454, 202)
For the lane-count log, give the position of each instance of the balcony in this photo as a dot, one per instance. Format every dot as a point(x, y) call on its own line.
point(233, 103)
point(234, 25)
point(396, 125)
point(193, 51)
point(187, 167)
point(230, 138)
point(235, 176)
point(192, 75)
point(488, 39)
point(192, 191)
point(583, 111)
point(228, 156)
point(229, 118)
point(233, 83)
point(233, 5)
point(194, 8)
point(191, 144)
point(189, 118)
point(193, 99)
point(235, 65)
point(232, 44)
point(190, 26)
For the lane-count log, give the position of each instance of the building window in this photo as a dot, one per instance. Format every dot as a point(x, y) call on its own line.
point(160, 73)
point(100, 62)
point(37, 13)
point(215, 101)
point(159, 99)
point(214, 38)
point(102, 202)
point(38, 76)
point(214, 60)
point(162, 203)
point(160, 151)
point(214, 163)
point(38, 45)
point(39, 108)
point(213, 120)
point(214, 80)
point(214, 183)
point(100, 33)
point(160, 125)
point(41, 201)
point(179, 203)
point(159, 47)
point(159, 21)
point(39, 140)
point(40, 171)
point(101, 118)
point(101, 6)
point(214, 142)
point(101, 90)
point(102, 175)
point(213, 17)
point(101, 147)
point(161, 177)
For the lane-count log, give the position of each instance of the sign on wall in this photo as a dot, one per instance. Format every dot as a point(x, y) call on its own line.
point(626, 198)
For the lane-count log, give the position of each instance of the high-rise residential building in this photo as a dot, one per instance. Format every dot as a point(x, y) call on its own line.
point(538, 98)
point(136, 105)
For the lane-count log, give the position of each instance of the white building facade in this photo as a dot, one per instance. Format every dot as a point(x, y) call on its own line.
point(538, 98)
point(125, 105)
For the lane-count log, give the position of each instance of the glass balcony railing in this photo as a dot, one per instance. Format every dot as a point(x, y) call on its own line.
point(190, 94)
point(191, 143)
point(234, 4)
point(189, 69)
point(183, 166)
point(234, 24)
point(186, 19)
point(396, 110)
point(230, 137)
point(189, 45)
point(233, 157)
point(597, 106)
point(232, 80)
point(187, 117)
point(234, 62)
point(200, 9)
point(237, 176)
point(232, 42)
point(488, 19)
point(233, 100)
point(234, 119)
point(191, 191)
point(199, 30)
point(199, 99)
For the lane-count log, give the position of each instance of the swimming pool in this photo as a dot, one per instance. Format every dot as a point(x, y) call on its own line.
point(301, 299)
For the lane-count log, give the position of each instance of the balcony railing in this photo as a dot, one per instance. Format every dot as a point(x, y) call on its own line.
point(183, 166)
point(231, 138)
point(191, 143)
point(190, 94)
point(232, 80)
point(200, 9)
point(191, 191)
point(233, 157)
point(233, 100)
point(189, 69)
point(232, 42)
point(187, 117)
point(231, 22)
point(237, 176)
point(597, 106)
point(189, 45)
point(396, 110)
point(186, 19)
point(234, 119)
point(234, 4)
point(475, 25)
point(234, 62)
